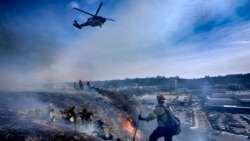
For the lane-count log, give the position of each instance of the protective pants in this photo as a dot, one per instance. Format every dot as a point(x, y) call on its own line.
point(166, 132)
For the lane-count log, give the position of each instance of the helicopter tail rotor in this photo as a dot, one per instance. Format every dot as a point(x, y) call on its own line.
point(76, 24)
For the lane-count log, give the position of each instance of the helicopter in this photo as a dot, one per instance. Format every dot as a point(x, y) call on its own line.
point(92, 21)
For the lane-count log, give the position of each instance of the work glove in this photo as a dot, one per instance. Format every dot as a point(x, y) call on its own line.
point(140, 117)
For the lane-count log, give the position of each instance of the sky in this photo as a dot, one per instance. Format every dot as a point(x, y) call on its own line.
point(189, 39)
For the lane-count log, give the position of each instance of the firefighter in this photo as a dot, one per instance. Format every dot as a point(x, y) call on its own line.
point(80, 84)
point(161, 115)
point(69, 115)
point(88, 84)
point(83, 115)
point(88, 117)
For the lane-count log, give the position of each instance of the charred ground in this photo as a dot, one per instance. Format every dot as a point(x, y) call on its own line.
point(26, 115)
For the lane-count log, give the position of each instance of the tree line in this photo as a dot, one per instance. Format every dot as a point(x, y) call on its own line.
point(176, 82)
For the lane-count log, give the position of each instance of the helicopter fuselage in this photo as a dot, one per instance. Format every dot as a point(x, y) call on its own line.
point(96, 21)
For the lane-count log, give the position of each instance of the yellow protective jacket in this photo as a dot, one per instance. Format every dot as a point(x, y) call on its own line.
point(160, 114)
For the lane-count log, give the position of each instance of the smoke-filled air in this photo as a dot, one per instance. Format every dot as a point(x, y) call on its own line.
point(191, 39)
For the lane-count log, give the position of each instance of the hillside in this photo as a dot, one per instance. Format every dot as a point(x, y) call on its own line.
point(43, 116)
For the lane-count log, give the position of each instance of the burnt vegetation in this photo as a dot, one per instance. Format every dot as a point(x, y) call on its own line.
point(79, 116)
point(122, 102)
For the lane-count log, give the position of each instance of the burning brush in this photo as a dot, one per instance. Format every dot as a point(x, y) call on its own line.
point(127, 124)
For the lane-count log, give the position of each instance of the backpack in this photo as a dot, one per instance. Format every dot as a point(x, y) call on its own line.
point(172, 121)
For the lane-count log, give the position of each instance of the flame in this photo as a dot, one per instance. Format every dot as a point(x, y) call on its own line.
point(127, 124)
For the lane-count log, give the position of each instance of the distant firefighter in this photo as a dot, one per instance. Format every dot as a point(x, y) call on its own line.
point(88, 84)
point(86, 116)
point(80, 84)
point(83, 114)
point(69, 115)
point(89, 116)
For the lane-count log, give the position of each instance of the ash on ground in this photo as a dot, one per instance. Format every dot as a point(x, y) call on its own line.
point(89, 115)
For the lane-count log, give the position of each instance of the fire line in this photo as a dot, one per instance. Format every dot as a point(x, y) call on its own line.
point(127, 125)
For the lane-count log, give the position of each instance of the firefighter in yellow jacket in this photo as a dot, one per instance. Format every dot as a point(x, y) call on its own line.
point(164, 129)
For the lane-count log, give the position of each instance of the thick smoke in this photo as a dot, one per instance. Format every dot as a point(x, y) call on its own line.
point(39, 43)
point(22, 56)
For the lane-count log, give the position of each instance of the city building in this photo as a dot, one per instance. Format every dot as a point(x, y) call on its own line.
point(234, 101)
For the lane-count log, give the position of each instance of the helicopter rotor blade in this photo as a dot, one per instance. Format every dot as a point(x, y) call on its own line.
point(98, 9)
point(83, 11)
